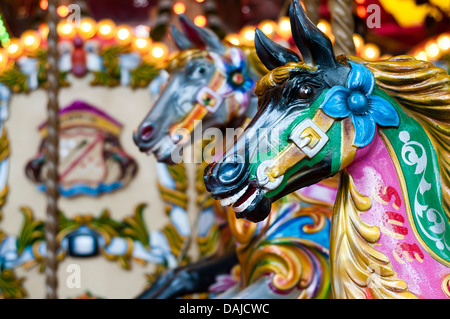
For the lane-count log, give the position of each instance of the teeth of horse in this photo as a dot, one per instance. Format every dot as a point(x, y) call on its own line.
point(231, 200)
point(245, 204)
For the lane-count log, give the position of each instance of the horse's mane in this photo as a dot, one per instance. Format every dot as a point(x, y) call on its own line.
point(423, 92)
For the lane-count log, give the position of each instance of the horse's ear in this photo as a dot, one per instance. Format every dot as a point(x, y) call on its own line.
point(201, 37)
point(315, 47)
point(271, 54)
point(180, 39)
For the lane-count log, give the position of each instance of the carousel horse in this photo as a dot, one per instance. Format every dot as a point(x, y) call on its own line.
point(211, 83)
point(384, 127)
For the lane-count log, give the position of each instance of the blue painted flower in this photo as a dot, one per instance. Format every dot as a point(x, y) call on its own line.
point(238, 79)
point(356, 100)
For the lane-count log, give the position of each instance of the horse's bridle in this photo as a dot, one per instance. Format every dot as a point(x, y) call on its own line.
point(211, 97)
point(307, 139)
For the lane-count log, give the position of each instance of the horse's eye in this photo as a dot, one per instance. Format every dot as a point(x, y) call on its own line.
point(201, 70)
point(305, 91)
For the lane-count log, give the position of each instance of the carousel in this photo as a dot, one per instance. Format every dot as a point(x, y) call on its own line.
point(212, 149)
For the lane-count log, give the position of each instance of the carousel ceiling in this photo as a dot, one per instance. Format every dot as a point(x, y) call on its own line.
point(404, 23)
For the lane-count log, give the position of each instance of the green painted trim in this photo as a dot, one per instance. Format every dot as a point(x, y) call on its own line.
point(422, 183)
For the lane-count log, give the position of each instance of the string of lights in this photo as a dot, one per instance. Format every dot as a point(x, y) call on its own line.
point(4, 35)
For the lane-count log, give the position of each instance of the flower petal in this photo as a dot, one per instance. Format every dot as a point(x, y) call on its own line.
point(360, 79)
point(383, 112)
point(364, 129)
point(335, 103)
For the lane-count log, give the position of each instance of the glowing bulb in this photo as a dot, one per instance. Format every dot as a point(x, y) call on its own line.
point(200, 1)
point(247, 35)
point(361, 11)
point(30, 40)
point(284, 28)
point(124, 34)
point(87, 28)
point(66, 30)
point(43, 4)
point(444, 42)
point(141, 44)
point(200, 21)
point(63, 11)
point(106, 29)
point(159, 51)
point(422, 56)
point(43, 30)
point(3, 58)
point(179, 8)
point(371, 51)
point(323, 26)
point(432, 50)
point(268, 27)
point(358, 41)
point(233, 39)
point(14, 48)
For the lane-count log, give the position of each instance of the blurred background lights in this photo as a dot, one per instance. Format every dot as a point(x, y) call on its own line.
point(63, 11)
point(371, 51)
point(268, 27)
point(233, 39)
point(88, 28)
point(444, 42)
point(159, 51)
point(66, 30)
point(200, 21)
point(179, 8)
point(124, 34)
point(30, 40)
point(284, 27)
point(106, 29)
point(3, 58)
point(14, 48)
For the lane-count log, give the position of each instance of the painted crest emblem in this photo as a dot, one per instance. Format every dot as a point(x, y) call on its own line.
point(91, 160)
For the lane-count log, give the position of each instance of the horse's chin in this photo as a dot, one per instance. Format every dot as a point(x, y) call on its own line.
point(164, 152)
point(257, 211)
point(165, 159)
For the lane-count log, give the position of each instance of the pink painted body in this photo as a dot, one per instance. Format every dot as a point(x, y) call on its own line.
point(320, 192)
point(375, 176)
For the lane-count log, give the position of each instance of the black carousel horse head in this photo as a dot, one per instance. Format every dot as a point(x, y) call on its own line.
point(246, 176)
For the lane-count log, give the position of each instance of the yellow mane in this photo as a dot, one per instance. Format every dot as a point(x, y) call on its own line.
point(423, 91)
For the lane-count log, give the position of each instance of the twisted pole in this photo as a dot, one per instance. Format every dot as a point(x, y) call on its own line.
point(313, 10)
point(343, 25)
point(51, 154)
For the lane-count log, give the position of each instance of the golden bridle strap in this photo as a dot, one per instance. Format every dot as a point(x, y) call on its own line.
point(307, 139)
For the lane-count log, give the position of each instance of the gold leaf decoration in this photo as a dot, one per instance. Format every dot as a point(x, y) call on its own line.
point(292, 262)
point(358, 270)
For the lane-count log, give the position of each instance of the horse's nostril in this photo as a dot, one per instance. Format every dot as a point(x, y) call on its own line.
point(231, 171)
point(147, 132)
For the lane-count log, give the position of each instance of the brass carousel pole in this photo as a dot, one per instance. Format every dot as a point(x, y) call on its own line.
point(343, 25)
point(52, 180)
